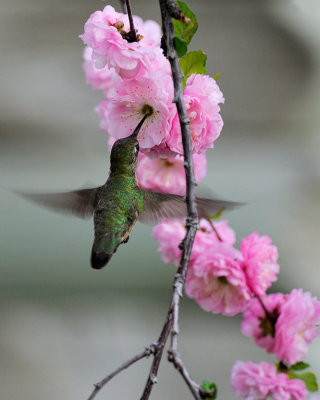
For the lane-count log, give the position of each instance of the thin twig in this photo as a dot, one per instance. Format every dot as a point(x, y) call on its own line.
point(197, 391)
point(173, 354)
point(132, 35)
point(272, 316)
point(214, 229)
point(144, 354)
point(171, 323)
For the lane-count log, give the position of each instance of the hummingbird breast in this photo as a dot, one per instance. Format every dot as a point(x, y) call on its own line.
point(118, 204)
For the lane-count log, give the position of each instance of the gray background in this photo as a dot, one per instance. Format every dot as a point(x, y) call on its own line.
point(63, 325)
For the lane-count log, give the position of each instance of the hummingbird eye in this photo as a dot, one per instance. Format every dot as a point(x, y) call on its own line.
point(137, 148)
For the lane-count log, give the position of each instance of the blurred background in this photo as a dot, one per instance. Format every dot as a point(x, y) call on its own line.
point(65, 326)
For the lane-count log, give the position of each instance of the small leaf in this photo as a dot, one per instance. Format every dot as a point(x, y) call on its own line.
point(180, 46)
point(216, 76)
point(185, 30)
point(193, 63)
point(299, 366)
point(308, 378)
point(210, 387)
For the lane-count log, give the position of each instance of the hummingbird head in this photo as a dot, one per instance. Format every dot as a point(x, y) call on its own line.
point(124, 155)
point(124, 152)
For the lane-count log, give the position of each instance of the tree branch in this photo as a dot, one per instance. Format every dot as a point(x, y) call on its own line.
point(175, 11)
point(131, 36)
point(172, 320)
point(144, 354)
point(171, 324)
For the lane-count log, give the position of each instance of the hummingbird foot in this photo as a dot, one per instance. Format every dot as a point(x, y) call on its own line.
point(126, 240)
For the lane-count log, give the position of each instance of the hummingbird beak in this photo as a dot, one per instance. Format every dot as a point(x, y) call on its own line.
point(136, 131)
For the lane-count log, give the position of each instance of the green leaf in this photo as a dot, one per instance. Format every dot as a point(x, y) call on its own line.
point(216, 76)
point(308, 378)
point(210, 387)
point(193, 62)
point(180, 46)
point(185, 30)
point(299, 366)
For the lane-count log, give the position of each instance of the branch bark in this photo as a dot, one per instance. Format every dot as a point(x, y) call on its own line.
point(144, 354)
point(171, 324)
point(132, 34)
point(172, 320)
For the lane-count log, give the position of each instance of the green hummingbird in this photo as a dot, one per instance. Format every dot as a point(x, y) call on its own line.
point(118, 204)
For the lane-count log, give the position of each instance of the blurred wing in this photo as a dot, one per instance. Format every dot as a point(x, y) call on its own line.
point(79, 203)
point(159, 206)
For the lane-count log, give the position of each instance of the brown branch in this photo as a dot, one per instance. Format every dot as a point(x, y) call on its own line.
point(174, 355)
point(214, 229)
point(175, 11)
point(144, 354)
point(171, 323)
point(271, 316)
point(131, 36)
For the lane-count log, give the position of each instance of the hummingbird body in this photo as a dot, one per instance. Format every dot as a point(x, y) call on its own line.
point(120, 202)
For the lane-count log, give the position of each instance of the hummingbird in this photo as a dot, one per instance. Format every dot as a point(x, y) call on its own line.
point(118, 204)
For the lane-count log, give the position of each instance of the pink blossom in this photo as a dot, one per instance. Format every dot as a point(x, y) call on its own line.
point(290, 326)
point(100, 79)
point(167, 174)
point(202, 96)
point(169, 234)
point(222, 228)
point(150, 30)
point(216, 280)
point(105, 32)
point(129, 101)
point(259, 262)
point(161, 150)
point(210, 233)
point(261, 381)
point(296, 326)
point(255, 323)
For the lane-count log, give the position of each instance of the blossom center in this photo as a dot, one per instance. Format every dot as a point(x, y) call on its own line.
point(267, 323)
point(167, 163)
point(147, 110)
point(128, 36)
point(223, 280)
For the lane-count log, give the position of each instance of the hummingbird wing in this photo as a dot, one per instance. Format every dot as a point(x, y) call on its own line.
point(159, 206)
point(78, 202)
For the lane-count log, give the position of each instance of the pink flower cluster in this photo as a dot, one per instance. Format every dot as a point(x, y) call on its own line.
point(135, 78)
point(262, 381)
point(287, 328)
point(260, 262)
point(218, 277)
point(167, 174)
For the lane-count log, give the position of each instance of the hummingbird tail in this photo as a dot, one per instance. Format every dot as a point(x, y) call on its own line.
point(99, 259)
